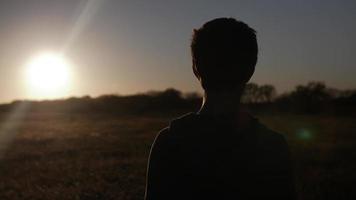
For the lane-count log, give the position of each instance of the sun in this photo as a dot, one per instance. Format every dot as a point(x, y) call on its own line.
point(48, 76)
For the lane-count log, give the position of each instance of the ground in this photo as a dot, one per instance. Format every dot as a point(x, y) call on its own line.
point(77, 156)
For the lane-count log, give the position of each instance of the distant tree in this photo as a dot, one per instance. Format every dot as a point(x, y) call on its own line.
point(334, 92)
point(266, 93)
point(171, 94)
point(153, 93)
point(313, 91)
point(250, 94)
point(347, 93)
point(258, 94)
point(192, 96)
point(311, 97)
point(346, 98)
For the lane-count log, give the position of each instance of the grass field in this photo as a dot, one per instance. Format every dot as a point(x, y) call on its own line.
point(59, 156)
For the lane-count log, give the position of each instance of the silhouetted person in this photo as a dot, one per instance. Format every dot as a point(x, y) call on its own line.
point(220, 152)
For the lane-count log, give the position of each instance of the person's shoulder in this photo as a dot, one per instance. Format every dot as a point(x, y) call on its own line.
point(267, 135)
point(162, 137)
point(186, 120)
point(167, 134)
point(271, 143)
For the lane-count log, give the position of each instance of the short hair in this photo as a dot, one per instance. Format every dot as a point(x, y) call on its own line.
point(224, 53)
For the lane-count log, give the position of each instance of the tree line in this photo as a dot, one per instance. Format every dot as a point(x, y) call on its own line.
point(314, 97)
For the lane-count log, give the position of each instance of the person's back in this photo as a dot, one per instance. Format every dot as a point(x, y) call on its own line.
point(200, 157)
point(220, 152)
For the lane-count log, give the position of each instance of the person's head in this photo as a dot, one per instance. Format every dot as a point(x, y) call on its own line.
point(224, 53)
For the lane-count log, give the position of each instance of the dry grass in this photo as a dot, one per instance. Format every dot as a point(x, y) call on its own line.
point(56, 156)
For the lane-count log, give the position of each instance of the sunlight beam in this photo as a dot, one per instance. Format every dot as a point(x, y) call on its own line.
point(86, 11)
point(10, 125)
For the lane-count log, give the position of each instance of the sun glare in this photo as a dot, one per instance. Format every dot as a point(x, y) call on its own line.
point(48, 76)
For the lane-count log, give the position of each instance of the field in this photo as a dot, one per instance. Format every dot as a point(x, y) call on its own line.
point(62, 156)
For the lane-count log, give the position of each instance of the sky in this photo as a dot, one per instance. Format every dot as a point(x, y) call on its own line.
point(127, 47)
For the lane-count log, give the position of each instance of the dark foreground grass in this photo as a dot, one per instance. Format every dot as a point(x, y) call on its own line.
point(56, 156)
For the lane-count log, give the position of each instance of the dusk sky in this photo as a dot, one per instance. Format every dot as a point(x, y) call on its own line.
point(126, 47)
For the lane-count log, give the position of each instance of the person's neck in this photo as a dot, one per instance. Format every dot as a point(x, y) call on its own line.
point(226, 106)
point(221, 103)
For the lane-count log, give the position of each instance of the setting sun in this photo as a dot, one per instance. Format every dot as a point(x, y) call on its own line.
point(48, 76)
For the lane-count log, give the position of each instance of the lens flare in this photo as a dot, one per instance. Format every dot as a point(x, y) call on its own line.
point(304, 134)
